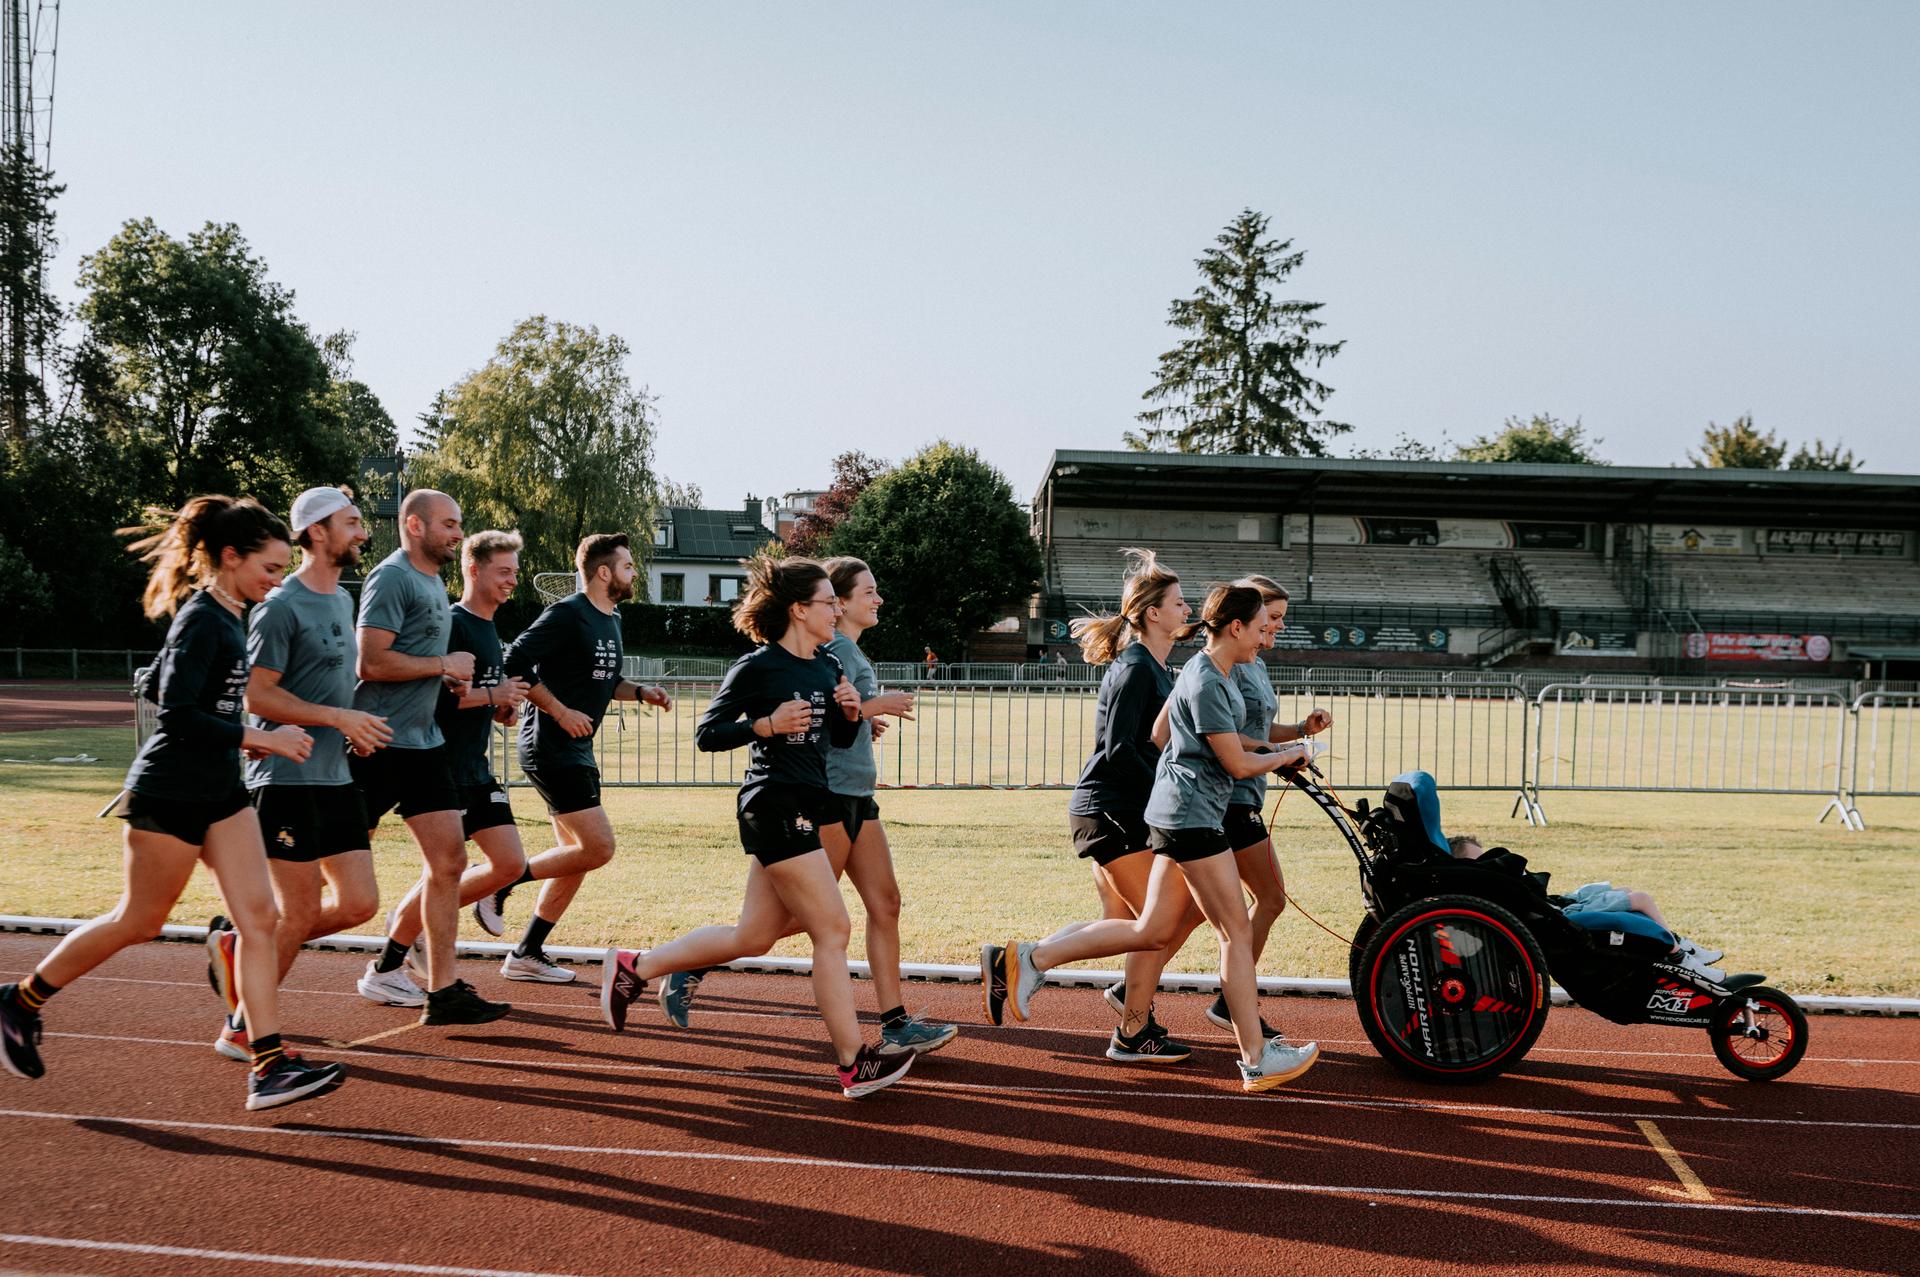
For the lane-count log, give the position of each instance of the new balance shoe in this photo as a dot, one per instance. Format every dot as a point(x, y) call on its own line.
point(676, 997)
point(290, 1078)
point(232, 1043)
point(390, 988)
point(872, 1069)
point(1279, 1063)
point(458, 1003)
point(1219, 1015)
point(620, 986)
point(1116, 997)
point(993, 982)
point(535, 966)
point(19, 1036)
point(916, 1035)
point(1147, 1047)
point(488, 911)
point(222, 947)
point(1023, 978)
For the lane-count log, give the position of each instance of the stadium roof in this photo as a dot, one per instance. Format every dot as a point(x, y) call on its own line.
point(1493, 490)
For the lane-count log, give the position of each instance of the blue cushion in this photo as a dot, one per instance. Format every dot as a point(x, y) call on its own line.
point(1634, 924)
point(1426, 801)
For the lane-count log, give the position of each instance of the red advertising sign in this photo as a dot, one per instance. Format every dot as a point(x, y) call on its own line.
point(1759, 647)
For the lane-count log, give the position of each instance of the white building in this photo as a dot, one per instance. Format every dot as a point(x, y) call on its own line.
point(696, 554)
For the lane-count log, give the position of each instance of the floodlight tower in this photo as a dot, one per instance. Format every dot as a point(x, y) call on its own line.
point(29, 43)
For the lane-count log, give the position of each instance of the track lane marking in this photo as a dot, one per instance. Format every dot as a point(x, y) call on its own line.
point(1690, 1185)
point(963, 1172)
point(373, 1037)
point(254, 1257)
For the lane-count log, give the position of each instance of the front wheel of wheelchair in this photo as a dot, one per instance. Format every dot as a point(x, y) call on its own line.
point(1452, 989)
point(1759, 1033)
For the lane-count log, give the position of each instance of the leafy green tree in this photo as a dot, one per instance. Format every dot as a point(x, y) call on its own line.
point(1821, 457)
point(949, 546)
point(670, 494)
point(1541, 439)
point(550, 438)
point(852, 472)
point(1738, 447)
point(32, 316)
point(1239, 382)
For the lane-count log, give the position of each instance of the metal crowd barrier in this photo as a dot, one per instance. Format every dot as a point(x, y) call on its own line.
point(1886, 728)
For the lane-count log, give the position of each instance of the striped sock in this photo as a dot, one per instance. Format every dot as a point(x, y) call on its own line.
point(32, 993)
point(266, 1050)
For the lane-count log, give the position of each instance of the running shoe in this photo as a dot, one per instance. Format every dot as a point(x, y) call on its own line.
point(1279, 1063)
point(19, 1036)
point(1147, 1047)
point(232, 1043)
point(993, 981)
point(872, 1069)
point(1219, 1015)
point(287, 1079)
point(1023, 978)
point(458, 1003)
point(221, 950)
point(487, 911)
point(415, 963)
point(1708, 956)
point(390, 988)
point(535, 966)
point(620, 986)
point(916, 1035)
point(1116, 996)
point(1706, 970)
point(676, 996)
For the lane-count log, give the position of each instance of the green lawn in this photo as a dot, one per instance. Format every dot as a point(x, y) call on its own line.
point(1821, 909)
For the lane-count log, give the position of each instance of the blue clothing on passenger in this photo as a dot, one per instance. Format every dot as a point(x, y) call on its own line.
point(1190, 786)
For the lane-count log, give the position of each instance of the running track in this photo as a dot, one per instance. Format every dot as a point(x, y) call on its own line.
point(544, 1144)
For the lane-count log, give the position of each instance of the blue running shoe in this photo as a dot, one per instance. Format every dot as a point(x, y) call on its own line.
point(676, 997)
point(916, 1035)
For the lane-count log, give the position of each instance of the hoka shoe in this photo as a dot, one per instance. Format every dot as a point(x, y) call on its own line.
point(1023, 978)
point(1148, 1047)
point(535, 966)
point(287, 1079)
point(1217, 1013)
point(390, 988)
point(1279, 1063)
point(916, 1035)
point(676, 997)
point(871, 1070)
point(19, 1037)
point(458, 1003)
point(993, 982)
point(620, 986)
point(221, 949)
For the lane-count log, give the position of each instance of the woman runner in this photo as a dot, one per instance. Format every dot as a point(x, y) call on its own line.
point(791, 703)
point(1186, 818)
point(184, 802)
point(857, 846)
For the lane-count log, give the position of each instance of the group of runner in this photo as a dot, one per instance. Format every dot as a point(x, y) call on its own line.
point(286, 735)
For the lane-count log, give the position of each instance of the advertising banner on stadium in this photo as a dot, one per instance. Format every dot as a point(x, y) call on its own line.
point(1833, 541)
point(1692, 538)
point(1363, 638)
point(1454, 534)
point(1759, 647)
point(1599, 643)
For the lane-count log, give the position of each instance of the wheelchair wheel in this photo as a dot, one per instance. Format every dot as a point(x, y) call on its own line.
point(1759, 1033)
point(1361, 934)
point(1452, 989)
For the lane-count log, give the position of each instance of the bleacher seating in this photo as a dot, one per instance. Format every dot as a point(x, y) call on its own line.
point(1796, 583)
point(1087, 571)
point(1573, 581)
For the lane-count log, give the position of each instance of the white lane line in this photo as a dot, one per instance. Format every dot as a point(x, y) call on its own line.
point(813, 1080)
point(958, 1172)
point(253, 1257)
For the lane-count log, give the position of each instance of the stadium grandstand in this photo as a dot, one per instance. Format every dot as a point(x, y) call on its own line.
point(1462, 564)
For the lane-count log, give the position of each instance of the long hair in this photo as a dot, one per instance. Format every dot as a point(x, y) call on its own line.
point(1102, 638)
point(1271, 591)
point(773, 586)
point(184, 546)
point(1226, 604)
point(844, 572)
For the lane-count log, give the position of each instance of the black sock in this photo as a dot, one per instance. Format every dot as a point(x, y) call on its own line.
point(526, 875)
point(266, 1049)
point(893, 1019)
point(32, 993)
point(535, 941)
point(392, 956)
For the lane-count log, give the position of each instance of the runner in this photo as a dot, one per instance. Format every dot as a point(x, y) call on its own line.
point(570, 660)
point(490, 566)
point(857, 846)
point(1185, 816)
point(791, 703)
point(184, 802)
point(300, 647)
point(405, 621)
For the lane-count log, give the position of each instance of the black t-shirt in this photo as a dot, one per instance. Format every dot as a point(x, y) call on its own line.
point(573, 648)
point(469, 732)
point(759, 683)
point(201, 688)
point(1118, 776)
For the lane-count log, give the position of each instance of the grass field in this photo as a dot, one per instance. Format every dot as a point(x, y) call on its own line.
point(1821, 909)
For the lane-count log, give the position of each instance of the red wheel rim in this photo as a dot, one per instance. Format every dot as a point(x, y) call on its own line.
point(1761, 1052)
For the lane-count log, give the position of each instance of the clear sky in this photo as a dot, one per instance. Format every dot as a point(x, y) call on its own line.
point(825, 226)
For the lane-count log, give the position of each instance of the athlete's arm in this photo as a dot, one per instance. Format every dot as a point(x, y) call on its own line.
point(184, 672)
point(379, 663)
point(571, 721)
point(266, 698)
point(1240, 762)
point(1313, 724)
point(722, 726)
point(645, 693)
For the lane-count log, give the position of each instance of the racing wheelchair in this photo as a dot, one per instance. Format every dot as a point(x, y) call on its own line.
point(1450, 964)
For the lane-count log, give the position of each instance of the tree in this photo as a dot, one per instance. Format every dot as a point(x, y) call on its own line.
point(949, 546)
point(1239, 383)
point(668, 494)
point(1738, 447)
point(31, 316)
point(1541, 439)
point(852, 473)
point(1822, 457)
point(549, 438)
point(193, 358)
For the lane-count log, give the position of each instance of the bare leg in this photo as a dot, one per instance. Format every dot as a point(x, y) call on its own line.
point(321, 898)
point(1214, 882)
point(156, 869)
point(506, 858)
point(870, 866)
point(238, 860)
point(763, 920)
point(444, 849)
point(806, 886)
point(1166, 901)
point(1641, 902)
point(586, 843)
point(1260, 872)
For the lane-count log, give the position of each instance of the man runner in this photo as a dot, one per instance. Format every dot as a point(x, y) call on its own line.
point(570, 658)
point(405, 620)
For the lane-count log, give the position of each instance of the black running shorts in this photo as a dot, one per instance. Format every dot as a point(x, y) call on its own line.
point(1182, 846)
point(855, 813)
point(783, 821)
point(185, 819)
point(1108, 836)
point(413, 782)
point(310, 822)
point(566, 788)
point(484, 807)
point(1246, 827)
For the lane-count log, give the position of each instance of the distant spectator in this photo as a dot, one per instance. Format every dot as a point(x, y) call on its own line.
point(933, 666)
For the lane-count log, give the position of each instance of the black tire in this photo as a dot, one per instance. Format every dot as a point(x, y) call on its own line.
point(1477, 981)
point(1361, 934)
point(1763, 1056)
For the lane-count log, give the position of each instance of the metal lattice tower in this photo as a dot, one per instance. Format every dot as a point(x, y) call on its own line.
point(29, 41)
point(30, 55)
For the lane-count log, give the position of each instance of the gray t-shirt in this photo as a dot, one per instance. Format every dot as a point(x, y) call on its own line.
point(307, 638)
point(415, 609)
point(852, 771)
point(1256, 688)
point(1190, 787)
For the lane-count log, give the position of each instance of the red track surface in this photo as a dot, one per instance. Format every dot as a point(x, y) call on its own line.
point(546, 1144)
point(39, 707)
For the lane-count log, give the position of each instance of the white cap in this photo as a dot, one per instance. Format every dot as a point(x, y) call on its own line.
point(316, 504)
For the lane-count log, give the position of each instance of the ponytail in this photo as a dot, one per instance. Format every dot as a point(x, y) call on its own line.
point(184, 546)
point(1226, 604)
point(773, 586)
point(1102, 638)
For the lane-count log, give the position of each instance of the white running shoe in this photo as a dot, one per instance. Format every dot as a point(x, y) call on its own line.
point(390, 988)
point(486, 912)
point(536, 967)
point(1705, 970)
point(1691, 949)
point(1279, 1062)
